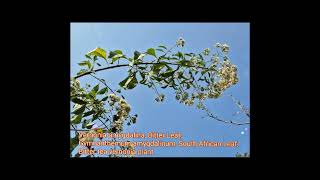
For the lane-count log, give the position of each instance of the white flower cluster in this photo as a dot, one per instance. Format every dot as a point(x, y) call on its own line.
point(123, 109)
point(180, 42)
point(224, 47)
point(194, 61)
point(228, 75)
point(75, 86)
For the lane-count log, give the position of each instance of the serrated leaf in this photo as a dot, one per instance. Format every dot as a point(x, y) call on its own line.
point(152, 52)
point(98, 52)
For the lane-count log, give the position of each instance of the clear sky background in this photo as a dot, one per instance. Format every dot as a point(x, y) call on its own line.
point(171, 116)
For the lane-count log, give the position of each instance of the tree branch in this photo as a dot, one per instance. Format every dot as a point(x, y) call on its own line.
point(241, 106)
point(209, 114)
point(124, 65)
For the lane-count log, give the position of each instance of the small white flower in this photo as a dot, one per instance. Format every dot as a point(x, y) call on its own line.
point(181, 42)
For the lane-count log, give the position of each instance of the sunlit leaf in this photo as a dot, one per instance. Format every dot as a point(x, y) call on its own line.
point(76, 119)
point(130, 82)
point(88, 113)
point(80, 109)
point(98, 52)
point(152, 52)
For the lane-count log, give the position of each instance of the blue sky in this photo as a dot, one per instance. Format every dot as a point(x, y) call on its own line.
point(171, 116)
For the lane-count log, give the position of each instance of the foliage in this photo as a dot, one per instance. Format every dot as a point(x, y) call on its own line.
point(193, 77)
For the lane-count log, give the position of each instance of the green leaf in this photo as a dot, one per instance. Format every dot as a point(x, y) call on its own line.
point(130, 82)
point(152, 52)
point(116, 57)
point(179, 54)
point(95, 116)
point(141, 56)
point(82, 71)
point(84, 123)
point(136, 55)
point(89, 125)
point(162, 46)
point(76, 119)
point(82, 63)
point(142, 75)
point(85, 63)
point(167, 73)
point(98, 52)
point(102, 91)
point(104, 99)
point(80, 109)
point(123, 82)
point(184, 63)
point(113, 53)
point(95, 89)
point(88, 113)
point(87, 56)
point(157, 67)
point(78, 101)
